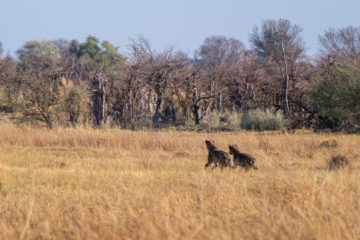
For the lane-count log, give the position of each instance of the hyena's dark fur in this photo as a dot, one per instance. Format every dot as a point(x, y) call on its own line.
point(242, 159)
point(216, 156)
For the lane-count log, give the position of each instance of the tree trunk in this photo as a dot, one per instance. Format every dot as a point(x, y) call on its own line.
point(158, 104)
point(49, 123)
point(219, 100)
point(99, 103)
point(102, 104)
point(286, 81)
point(195, 107)
point(196, 114)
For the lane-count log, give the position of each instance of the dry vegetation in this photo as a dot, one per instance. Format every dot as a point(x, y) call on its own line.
point(113, 184)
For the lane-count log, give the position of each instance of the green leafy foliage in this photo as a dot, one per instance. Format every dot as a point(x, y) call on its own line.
point(250, 120)
point(262, 120)
point(90, 48)
point(32, 51)
point(105, 55)
point(338, 96)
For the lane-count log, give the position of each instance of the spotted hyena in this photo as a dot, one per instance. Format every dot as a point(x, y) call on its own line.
point(241, 159)
point(216, 156)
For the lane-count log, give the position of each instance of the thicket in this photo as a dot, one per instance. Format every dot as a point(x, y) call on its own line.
point(270, 86)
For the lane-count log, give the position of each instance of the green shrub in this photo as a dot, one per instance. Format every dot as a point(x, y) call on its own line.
point(214, 119)
point(337, 96)
point(224, 119)
point(262, 120)
point(251, 120)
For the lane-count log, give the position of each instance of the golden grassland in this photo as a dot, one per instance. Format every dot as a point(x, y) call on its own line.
point(114, 184)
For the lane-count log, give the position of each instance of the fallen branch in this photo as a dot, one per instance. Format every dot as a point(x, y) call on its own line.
point(348, 125)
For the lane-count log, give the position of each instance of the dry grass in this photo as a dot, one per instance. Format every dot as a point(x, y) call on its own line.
point(338, 161)
point(113, 184)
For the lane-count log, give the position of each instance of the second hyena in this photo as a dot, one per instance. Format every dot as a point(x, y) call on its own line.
point(241, 159)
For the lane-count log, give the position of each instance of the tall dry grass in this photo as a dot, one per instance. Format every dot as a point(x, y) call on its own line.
point(113, 184)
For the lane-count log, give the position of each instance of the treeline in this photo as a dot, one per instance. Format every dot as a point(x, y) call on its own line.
point(271, 85)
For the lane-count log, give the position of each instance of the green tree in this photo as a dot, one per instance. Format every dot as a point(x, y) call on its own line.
point(110, 58)
point(40, 73)
point(33, 52)
point(90, 48)
point(74, 48)
point(105, 55)
point(337, 96)
point(104, 60)
point(41, 95)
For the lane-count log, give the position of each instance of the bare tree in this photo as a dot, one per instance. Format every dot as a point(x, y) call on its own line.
point(279, 42)
point(128, 107)
point(152, 82)
point(243, 83)
point(99, 84)
point(196, 105)
point(215, 61)
point(341, 44)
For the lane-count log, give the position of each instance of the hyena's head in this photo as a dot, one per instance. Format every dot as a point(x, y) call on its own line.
point(210, 144)
point(232, 149)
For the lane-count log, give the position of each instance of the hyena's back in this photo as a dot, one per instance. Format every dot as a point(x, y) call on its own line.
point(242, 159)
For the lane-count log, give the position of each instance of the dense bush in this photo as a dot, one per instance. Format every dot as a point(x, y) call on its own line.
point(251, 120)
point(262, 120)
point(337, 96)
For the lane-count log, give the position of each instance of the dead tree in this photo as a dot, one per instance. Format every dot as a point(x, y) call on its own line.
point(98, 90)
point(196, 105)
point(286, 80)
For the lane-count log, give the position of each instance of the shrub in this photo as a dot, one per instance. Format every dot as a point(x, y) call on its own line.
point(214, 119)
point(224, 119)
point(262, 120)
point(338, 161)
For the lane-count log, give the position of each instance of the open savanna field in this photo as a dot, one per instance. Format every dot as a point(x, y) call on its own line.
point(115, 184)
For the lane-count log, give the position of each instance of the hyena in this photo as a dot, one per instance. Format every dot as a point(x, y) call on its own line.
point(241, 159)
point(216, 156)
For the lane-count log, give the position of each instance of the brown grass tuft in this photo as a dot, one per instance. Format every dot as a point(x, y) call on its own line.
point(332, 143)
point(338, 161)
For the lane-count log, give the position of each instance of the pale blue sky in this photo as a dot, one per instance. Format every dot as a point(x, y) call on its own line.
point(180, 23)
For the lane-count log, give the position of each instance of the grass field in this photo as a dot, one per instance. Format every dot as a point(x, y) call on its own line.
point(113, 184)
